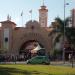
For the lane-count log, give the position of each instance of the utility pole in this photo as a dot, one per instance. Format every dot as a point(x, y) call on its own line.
point(64, 36)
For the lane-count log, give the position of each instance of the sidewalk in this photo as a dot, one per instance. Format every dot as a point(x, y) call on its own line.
point(61, 63)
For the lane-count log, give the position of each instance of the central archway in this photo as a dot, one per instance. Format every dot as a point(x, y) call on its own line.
point(22, 42)
point(31, 48)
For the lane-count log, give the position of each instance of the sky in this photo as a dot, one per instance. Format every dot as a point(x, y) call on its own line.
point(15, 7)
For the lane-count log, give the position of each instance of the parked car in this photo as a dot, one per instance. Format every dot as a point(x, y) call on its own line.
point(39, 60)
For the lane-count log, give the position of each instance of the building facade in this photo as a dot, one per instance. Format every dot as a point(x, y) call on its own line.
point(19, 41)
point(72, 19)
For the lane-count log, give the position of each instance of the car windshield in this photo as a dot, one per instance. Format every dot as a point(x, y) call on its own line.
point(39, 57)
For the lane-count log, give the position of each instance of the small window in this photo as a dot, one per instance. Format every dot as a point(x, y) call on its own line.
point(32, 27)
point(6, 39)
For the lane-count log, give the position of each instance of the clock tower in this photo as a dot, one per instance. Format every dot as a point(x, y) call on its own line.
point(43, 15)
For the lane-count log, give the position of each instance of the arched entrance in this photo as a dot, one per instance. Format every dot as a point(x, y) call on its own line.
point(31, 48)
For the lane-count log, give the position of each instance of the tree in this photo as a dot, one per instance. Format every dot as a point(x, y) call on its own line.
point(59, 29)
point(59, 32)
point(70, 33)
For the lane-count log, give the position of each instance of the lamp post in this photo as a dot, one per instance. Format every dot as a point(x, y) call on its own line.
point(64, 36)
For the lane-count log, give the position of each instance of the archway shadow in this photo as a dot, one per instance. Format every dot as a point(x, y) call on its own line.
point(10, 71)
point(14, 71)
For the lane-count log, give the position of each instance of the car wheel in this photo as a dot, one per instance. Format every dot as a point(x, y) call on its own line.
point(46, 63)
point(43, 63)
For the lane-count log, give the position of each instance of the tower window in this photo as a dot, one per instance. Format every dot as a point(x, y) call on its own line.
point(32, 27)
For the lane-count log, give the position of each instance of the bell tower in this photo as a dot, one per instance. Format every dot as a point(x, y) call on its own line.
point(43, 15)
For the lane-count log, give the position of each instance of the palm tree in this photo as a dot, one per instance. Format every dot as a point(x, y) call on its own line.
point(59, 30)
point(69, 31)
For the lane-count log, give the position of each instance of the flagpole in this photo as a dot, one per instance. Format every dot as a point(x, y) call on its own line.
point(22, 20)
point(30, 14)
point(22, 17)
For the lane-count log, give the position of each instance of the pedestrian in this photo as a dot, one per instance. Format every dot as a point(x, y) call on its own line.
point(70, 56)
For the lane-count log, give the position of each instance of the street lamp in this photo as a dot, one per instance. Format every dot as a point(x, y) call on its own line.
point(64, 36)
